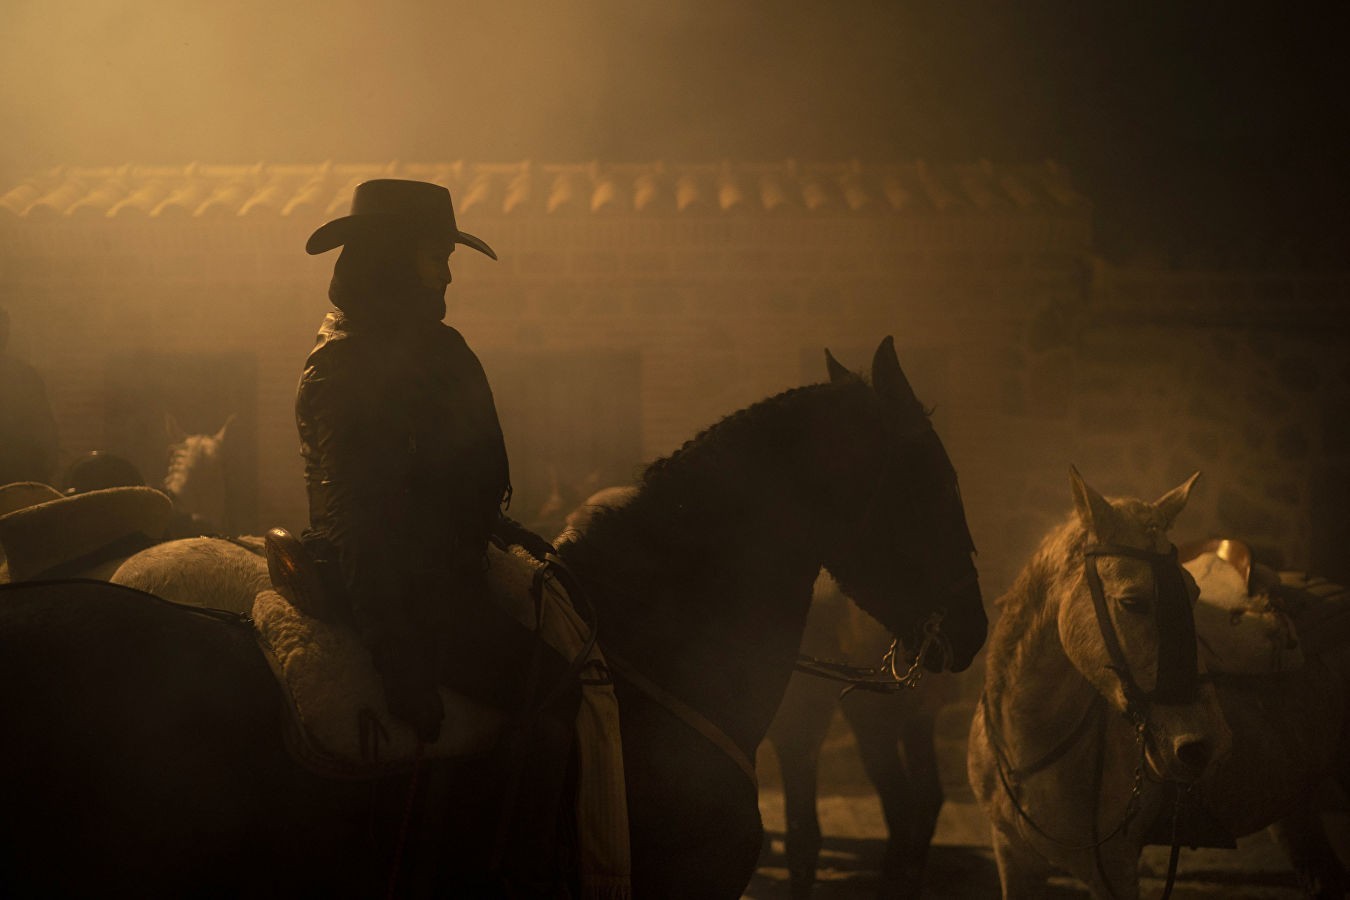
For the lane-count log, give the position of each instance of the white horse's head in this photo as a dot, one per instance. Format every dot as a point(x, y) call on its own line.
point(196, 475)
point(1126, 622)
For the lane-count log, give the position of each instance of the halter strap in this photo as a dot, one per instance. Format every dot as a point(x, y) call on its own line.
point(1177, 678)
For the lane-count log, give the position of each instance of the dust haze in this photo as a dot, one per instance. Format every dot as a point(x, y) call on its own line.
point(96, 82)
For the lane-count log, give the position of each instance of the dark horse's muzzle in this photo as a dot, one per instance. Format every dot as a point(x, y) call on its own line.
point(960, 632)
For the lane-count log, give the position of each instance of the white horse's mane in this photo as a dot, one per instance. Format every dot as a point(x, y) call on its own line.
point(187, 457)
point(196, 477)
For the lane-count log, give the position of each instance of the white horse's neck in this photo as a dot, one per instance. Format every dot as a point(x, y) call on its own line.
point(196, 479)
point(1041, 697)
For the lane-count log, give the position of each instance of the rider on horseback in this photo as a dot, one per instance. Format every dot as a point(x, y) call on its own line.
point(405, 462)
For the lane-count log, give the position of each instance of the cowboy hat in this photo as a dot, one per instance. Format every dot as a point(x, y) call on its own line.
point(43, 529)
point(393, 201)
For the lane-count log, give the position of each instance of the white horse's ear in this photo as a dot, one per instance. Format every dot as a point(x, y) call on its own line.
point(837, 371)
point(888, 379)
point(1170, 504)
point(220, 435)
point(172, 430)
point(1093, 510)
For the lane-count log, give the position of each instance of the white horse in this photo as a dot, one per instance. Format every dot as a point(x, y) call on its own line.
point(1096, 717)
point(1045, 724)
point(216, 573)
point(196, 479)
point(193, 569)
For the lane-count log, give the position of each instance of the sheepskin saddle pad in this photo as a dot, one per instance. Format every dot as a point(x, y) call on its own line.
point(340, 721)
point(1240, 633)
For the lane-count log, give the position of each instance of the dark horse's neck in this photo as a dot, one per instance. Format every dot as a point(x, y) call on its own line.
point(703, 580)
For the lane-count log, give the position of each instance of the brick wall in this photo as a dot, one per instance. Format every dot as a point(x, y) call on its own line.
point(718, 309)
point(1240, 376)
point(1034, 357)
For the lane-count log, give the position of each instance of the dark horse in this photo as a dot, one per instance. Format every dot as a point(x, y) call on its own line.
point(145, 747)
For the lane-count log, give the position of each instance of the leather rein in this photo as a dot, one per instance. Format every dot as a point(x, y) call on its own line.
point(885, 678)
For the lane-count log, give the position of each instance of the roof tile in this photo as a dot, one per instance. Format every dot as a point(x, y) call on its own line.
point(658, 188)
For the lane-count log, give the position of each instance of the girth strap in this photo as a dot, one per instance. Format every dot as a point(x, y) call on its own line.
point(687, 714)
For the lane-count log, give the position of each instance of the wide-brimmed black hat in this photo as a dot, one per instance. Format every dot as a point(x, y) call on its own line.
point(388, 202)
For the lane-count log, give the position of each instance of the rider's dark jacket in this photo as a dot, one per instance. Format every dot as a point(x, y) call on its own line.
point(405, 465)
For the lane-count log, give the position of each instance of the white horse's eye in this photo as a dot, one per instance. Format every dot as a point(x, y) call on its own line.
point(1137, 603)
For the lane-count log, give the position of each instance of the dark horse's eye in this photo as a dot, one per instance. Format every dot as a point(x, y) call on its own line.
point(1137, 603)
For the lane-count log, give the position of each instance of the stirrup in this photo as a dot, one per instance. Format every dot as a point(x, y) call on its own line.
point(294, 575)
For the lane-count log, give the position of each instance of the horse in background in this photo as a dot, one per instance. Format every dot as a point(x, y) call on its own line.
point(225, 573)
point(197, 480)
point(894, 736)
point(1098, 731)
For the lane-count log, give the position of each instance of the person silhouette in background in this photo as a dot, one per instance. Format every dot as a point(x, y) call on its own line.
point(28, 442)
point(98, 470)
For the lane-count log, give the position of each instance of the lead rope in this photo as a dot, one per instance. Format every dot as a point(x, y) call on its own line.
point(404, 825)
point(1175, 855)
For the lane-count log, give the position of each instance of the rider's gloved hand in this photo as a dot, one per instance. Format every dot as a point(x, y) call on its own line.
point(508, 531)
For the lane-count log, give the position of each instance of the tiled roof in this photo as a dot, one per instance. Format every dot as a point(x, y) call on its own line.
point(316, 191)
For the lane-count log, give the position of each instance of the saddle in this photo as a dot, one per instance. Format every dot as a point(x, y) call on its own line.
point(335, 716)
point(1320, 608)
point(1241, 627)
point(296, 577)
point(1252, 619)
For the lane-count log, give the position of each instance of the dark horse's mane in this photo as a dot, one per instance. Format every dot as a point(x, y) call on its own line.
point(666, 573)
point(693, 499)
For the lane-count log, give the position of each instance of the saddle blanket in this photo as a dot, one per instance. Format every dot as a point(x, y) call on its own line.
point(339, 701)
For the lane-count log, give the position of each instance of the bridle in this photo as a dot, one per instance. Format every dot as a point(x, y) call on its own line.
point(1178, 681)
point(886, 677)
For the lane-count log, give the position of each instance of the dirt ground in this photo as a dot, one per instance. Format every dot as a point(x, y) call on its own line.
point(961, 863)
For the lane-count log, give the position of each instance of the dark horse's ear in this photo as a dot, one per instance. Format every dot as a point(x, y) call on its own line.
point(172, 430)
point(837, 372)
point(887, 378)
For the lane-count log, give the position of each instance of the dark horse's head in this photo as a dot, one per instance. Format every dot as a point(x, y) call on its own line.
point(906, 553)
